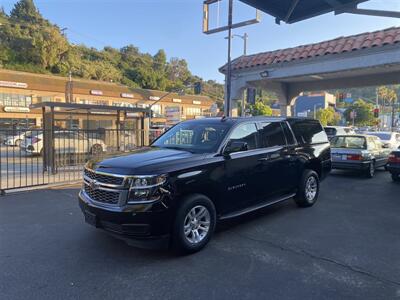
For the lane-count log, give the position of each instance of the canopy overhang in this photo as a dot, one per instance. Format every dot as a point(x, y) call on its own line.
point(291, 11)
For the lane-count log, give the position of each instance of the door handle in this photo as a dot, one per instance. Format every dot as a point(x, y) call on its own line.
point(264, 159)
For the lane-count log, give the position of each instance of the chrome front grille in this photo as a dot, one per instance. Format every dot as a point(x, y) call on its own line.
point(103, 196)
point(102, 178)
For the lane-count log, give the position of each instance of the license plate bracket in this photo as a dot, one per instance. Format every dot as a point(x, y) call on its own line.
point(91, 219)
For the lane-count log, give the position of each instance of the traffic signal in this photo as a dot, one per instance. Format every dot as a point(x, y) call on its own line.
point(198, 87)
point(376, 112)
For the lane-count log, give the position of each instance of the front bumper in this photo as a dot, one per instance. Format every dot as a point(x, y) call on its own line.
point(144, 226)
point(351, 165)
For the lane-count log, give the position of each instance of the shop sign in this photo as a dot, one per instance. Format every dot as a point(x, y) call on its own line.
point(17, 109)
point(96, 92)
point(127, 95)
point(12, 84)
point(196, 102)
point(172, 115)
point(177, 100)
point(154, 98)
point(132, 115)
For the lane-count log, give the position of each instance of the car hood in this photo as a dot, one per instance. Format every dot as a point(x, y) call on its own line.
point(146, 161)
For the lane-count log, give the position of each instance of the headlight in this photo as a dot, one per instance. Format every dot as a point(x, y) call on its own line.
point(145, 182)
point(144, 188)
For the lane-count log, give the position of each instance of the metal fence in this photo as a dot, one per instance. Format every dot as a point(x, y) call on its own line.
point(39, 157)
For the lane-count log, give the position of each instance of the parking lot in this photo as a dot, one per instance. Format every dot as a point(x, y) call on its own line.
point(345, 247)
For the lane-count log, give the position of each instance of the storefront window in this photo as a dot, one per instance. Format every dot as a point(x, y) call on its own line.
point(156, 109)
point(16, 124)
point(93, 102)
point(15, 100)
point(45, 99)
point(193, 111)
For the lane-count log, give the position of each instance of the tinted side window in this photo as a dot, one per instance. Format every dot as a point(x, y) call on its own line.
point(308, 131)
point(245, 133)
point(288, 133)
point(271, 134)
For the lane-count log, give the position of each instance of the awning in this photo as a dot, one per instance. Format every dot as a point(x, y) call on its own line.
point(291, 11)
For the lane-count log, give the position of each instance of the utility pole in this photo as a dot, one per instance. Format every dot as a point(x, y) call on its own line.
point(63, 30)
point(229, 71)
point(70, 87)
point(393, 114)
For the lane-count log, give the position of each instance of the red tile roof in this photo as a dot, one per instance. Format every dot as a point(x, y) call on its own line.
point(362, 41)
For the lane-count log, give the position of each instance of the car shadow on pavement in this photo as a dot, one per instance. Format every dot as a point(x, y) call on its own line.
point(352, 174)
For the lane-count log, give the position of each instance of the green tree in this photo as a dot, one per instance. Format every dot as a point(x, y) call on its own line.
point(364, 112)
point(26, 11)
point(328, 116)
point(387, 94)
point(260, 109)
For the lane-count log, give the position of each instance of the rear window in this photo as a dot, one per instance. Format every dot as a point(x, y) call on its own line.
point(308, 131)
point(349, 142)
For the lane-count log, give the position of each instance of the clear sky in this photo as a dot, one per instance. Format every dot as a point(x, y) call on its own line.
point(175, 25)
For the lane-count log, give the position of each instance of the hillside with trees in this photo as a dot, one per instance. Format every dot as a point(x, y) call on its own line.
point(29, 42)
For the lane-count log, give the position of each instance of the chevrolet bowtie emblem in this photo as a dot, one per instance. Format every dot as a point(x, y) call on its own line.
point(94, 185)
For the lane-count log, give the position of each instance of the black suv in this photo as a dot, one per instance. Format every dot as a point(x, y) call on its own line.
point(203, 171)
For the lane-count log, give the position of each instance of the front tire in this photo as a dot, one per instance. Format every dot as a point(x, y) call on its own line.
point(308, 189)
point(194, 224)
point(396, 177)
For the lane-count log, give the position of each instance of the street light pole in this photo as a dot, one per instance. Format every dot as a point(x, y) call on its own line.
point(229, 71)
point(245, 37)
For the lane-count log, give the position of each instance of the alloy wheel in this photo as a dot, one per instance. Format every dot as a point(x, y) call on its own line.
point(311, 188)
point(197, 224)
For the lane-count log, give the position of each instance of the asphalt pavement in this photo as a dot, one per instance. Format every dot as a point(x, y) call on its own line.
point(345, 247)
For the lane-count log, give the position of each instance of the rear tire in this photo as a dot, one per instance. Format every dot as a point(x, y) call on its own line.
point(308, 189)
point(370, 173)
point(194, 224)
point(396, 177)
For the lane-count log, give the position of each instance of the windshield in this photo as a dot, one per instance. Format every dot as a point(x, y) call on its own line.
point(349, 142)
point(193, 137)
point(382, 136)
point(330, 131)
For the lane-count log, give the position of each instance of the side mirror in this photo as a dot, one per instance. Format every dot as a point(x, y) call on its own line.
point(235, 146)
point(386, 146)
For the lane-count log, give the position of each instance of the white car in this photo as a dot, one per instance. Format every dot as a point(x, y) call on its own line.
point(389, 139)
point(332, 131)
point(65, 142)
point(15, 140)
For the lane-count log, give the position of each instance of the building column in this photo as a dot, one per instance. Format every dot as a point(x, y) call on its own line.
point(286, 110)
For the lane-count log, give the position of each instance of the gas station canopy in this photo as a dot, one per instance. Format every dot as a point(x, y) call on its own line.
point(291, 11)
